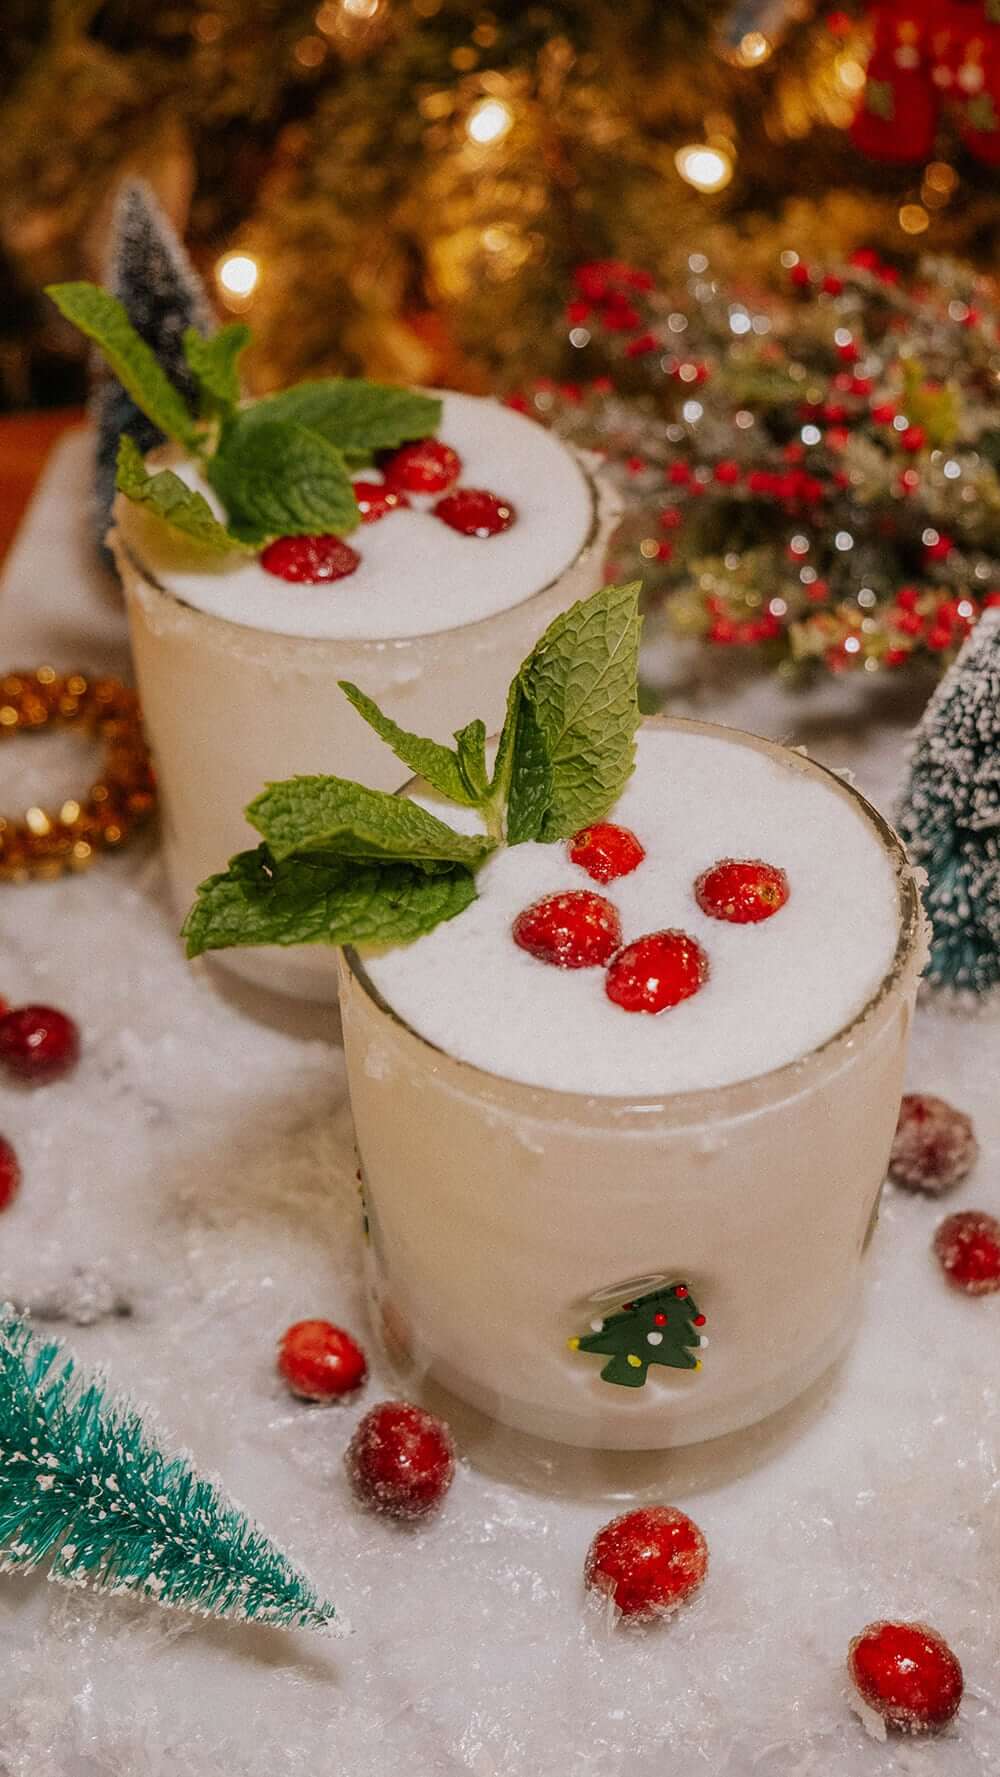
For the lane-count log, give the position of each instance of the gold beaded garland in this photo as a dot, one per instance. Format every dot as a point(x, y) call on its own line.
point(43, 843)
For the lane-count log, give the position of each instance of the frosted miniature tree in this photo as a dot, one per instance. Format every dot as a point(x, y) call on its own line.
point(950, 816)
point(658, 1328)
point(84, 1489)
point(150, 273)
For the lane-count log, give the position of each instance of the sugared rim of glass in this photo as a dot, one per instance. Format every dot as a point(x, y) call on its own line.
point(713, 1103)
point(166, 454)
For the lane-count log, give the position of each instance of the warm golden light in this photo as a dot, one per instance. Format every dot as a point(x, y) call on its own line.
point(707, 169)
point(940, 176)
point(754, 48)
point(851, 75)
point(236, 275)
point(361, 9)
point(488, 121)
point(913, 218)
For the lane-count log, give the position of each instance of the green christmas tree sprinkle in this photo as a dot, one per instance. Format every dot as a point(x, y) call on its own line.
point(660, 1327)
point(85, 1491)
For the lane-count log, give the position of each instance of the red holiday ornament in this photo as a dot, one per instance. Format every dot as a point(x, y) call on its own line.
point(606, 851)
point(656, 972)
point(967, 1247)
point(897, 115)
point(908, 1674)
point(38, 1043)
point(573, 930)
point(647, 1561)
point(401, 1460)
point(320, 1362)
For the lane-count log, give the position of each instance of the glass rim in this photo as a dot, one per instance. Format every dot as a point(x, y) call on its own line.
point(701, 1103)
point(165, 454)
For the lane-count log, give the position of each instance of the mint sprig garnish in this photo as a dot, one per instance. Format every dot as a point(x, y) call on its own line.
point(322, 900)
point(214, 364)
point(358, 417)
point(333, 815)
point(342, 864)
point(170, 498)
point(280, 480)
point(101, 318)
point(281, 465)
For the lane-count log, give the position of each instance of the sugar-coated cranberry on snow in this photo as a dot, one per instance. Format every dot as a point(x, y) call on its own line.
point(475, 512)
point(606, 851)
point(967, 1247)
point(908, 1674)
point(647, 1562)
point(309, 561)
point(741, 890)
point(656, 972)
point(401, 1460)
point(320, 1362)
point(376, 499)
point(38, 1043)
point(573, 930)
point(10, 1173)
point(426, 467)
point(934, 1146)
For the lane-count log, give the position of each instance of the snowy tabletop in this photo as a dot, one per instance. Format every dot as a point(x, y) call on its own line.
point(197, 1167)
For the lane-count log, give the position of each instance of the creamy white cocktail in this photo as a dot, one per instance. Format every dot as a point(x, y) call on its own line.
point(625, 1012)
point(543, 1168)
point(238, 668)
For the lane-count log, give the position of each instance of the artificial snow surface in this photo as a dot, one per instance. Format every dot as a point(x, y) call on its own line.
point(198, 1166)
point(774, 990)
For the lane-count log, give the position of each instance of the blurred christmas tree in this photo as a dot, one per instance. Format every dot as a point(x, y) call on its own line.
point(404, 184)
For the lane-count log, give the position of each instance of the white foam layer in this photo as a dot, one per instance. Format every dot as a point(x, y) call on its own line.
point(776, 990)
point(416, 576)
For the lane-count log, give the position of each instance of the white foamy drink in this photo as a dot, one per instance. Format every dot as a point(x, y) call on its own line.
point(625, 1230)
point(238, 668)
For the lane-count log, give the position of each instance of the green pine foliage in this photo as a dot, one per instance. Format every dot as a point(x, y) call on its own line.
point(85, 1491)
point(950, 816)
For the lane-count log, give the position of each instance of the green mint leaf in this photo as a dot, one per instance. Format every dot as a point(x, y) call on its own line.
point(214, 364)
point(170, 499)
point(101, 317)
point(358, 417)
point(580, 684)
point(321, 900)
point(437, 764)
point(470, 745)
point(330, 814)
point(280, 480)
point(529, 790)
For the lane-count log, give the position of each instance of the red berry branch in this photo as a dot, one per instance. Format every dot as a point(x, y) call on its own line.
point(810, 472)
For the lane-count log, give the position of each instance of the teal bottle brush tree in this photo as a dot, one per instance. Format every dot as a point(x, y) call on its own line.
point(949, 817)
point(86, 1492)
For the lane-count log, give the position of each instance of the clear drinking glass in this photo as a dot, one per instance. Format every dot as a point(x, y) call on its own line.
point(229, 708)
point(501, 1218)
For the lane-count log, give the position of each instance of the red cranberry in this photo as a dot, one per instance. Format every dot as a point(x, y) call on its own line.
point(320, 1362)
point(401, 1460)
point(310, 560)
point(741, 890)
point(648, 1561)
point(38, 1044)
point(656, 972)
point(574, 930)
point(606, 851)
